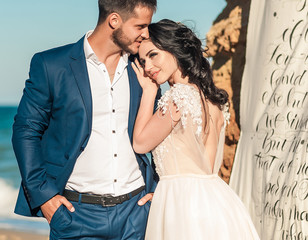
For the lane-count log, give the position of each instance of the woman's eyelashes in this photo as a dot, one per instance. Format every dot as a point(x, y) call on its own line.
point(152, 54)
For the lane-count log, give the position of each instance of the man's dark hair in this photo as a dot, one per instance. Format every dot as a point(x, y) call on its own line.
point(123, 7)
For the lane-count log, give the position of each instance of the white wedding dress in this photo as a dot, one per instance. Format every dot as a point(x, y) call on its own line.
point(191, 201)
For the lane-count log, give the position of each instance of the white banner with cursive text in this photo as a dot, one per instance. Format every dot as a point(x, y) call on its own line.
point(270, 171)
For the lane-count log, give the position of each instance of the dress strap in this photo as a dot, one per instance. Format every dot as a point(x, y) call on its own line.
point(172, 148)
point(216, 134)
point(209, 121)
point(172, 119)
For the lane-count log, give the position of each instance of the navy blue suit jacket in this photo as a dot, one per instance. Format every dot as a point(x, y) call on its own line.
point(53, 125)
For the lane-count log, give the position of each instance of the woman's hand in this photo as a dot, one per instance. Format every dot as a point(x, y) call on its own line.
point(145, 82)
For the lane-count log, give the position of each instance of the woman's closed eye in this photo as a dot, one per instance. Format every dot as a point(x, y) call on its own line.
point(152, 54)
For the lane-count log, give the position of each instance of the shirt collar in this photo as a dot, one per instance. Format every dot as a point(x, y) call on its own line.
point(90, 54)
point(87, 48)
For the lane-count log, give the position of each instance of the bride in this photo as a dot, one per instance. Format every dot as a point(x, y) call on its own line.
point(186, 136)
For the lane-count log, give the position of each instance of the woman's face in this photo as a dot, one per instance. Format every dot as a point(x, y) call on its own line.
point(159, 65)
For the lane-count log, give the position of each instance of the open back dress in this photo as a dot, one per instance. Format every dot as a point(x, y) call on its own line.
point(191, 201)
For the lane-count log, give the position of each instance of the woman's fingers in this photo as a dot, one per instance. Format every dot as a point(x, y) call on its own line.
point(138, 67)
point(142, 78)
point(138, 64)
point(135, 68)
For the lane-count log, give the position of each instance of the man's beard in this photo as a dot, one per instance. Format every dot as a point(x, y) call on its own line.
point(120, 39)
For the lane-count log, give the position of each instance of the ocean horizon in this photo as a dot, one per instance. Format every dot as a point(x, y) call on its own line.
point(10, 178)
point(10, 181)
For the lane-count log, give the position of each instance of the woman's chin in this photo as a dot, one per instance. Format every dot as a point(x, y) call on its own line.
point(159, 81)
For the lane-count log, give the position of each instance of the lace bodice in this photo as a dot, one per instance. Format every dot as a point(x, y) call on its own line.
point(186, 99)
point(183, 150)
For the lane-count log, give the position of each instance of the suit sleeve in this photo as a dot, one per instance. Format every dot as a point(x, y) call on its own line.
point(30, 123)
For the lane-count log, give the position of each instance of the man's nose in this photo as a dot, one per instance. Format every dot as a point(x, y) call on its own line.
point(145, 33)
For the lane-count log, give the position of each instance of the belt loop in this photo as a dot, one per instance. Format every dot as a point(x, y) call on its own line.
point(80, 198)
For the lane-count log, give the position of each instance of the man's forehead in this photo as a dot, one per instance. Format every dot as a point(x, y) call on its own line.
point(142, 12)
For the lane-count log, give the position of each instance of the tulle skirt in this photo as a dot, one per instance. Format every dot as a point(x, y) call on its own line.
point(192, 207)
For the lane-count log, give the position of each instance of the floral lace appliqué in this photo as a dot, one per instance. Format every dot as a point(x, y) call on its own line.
point(158, 154)
point(225, 111)
point(187, 100)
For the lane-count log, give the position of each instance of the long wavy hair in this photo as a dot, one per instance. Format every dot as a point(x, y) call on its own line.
point(184, 45)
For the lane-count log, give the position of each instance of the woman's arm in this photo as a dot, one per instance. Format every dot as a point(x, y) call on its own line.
point(150, 130)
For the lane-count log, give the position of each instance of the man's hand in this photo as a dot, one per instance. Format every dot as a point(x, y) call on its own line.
point(146, 198)
point(51, 206)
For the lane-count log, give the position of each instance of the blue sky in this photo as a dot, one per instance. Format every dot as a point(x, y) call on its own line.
point(31, 26)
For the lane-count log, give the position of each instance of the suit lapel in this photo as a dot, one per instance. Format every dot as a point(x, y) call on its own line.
point(135, 91)
point(79, 69)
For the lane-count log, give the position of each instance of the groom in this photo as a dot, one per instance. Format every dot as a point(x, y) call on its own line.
point(72, 133)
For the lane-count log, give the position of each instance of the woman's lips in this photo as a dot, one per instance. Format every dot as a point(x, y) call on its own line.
point(154, 75)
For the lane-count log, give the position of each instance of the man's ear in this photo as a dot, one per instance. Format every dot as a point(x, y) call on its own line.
point(114, 20)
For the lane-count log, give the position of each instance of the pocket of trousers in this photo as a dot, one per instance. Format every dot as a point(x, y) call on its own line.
point(61, 218)
point(147, 206)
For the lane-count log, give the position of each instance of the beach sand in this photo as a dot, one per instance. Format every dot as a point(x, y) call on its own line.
point(15, 235)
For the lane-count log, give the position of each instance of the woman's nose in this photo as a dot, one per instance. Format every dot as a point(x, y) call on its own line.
point(147, 67)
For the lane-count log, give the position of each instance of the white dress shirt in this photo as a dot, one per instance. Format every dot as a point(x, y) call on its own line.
point(108, 164)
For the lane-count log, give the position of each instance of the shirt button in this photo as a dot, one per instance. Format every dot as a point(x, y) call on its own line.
point(111, 89)
point(115, 155)
point(115, 180)
point(113, 131)
point(113, 110)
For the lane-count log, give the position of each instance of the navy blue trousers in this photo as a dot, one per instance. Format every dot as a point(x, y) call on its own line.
point(123, 221)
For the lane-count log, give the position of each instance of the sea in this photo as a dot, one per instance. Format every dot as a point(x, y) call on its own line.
point(10, 181)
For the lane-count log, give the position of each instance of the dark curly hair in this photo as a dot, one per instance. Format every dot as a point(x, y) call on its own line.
point(184, 45)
